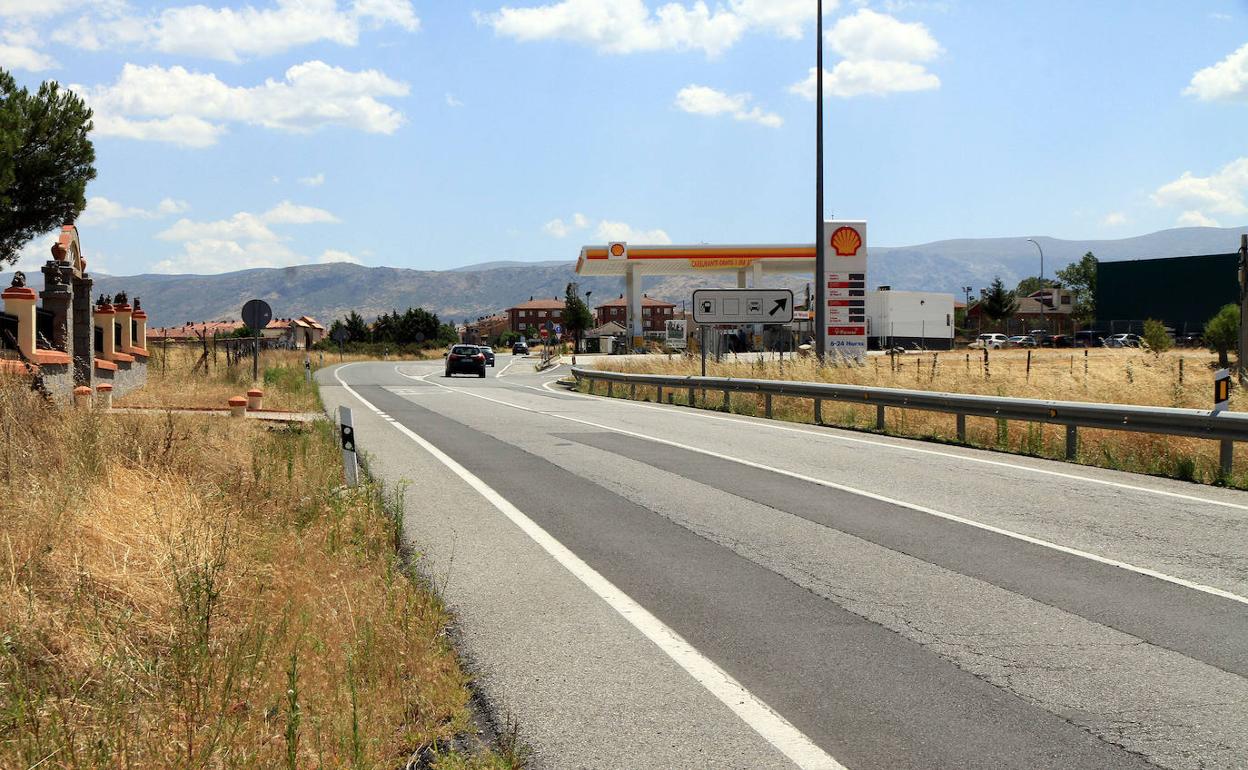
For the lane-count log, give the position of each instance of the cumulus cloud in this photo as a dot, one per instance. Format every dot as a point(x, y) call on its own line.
point(1225, 81)
point(703, 100)
point(630, 26)
point(881, 55)
point(20, 50)
point(1224, 192)
point(561, 229)
point(247, 226)
point(234, 34)
point(193, 109)
point(101, 210)
point(1196, 219)
point(330, 256)
point(316, 180)
point(619, 231)
point(1114, 219)
point(33, 9)
point(451, 101)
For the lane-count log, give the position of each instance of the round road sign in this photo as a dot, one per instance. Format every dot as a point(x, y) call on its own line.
point(257, 314)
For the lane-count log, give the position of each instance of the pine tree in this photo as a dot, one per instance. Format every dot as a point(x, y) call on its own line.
point(999, 304)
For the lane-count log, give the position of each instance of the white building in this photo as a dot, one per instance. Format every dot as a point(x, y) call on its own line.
point(910, 319)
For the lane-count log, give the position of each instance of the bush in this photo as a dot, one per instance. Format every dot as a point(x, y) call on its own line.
point(1156, 337)
point(1222, 333)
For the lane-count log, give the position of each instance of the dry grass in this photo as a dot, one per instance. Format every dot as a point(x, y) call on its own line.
point(1107, 376)
point(182, 591)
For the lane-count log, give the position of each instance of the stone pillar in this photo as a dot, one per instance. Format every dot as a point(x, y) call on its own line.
point(82, 397)
point(255, 400)
point(83, 330)
point(238, 406)
point(104, 319)
point(105, 393)
point(58, 299)
point(632, 289)
point(121, 317)
point(20, 301)
point(140, 325)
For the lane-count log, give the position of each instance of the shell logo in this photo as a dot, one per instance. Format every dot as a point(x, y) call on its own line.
point(846, 241)
point(617, 249)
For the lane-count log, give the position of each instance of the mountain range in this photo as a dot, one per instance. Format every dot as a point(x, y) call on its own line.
point(331, 291)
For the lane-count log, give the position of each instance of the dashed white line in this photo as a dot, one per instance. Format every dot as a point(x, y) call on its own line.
point(760, 717)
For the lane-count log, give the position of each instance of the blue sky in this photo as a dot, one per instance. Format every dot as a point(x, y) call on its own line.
point(433, 134)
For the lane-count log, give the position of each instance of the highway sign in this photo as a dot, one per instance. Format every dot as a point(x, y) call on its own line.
point(743, 306)
point(257, 314)
point(677, 334)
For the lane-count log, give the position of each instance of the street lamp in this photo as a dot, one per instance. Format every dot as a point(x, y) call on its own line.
point(966, 314)
point(1033, 242)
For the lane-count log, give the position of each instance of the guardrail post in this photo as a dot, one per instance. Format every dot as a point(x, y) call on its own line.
point(1072, 441)
point(767, 405)
point(818, 411)
point(632, 391)
point(658, 396)
point(879, 417)
point(727, 401)
point(961, 429)
point(693, 397)
point(1227, 457)
point(609, 388)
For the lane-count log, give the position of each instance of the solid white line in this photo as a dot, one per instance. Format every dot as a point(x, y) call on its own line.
point(884, 499)
point(760, 717)
point(508, 366)
point(772, 425)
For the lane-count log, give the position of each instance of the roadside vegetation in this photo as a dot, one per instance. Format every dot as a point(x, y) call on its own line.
point(194, 591)
point(1182, 379)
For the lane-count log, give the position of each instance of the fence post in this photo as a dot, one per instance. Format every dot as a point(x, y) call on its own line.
point(1226, 457)
point(658, 396)
point(1072, 441)
point(693, 397)
point(347, 432)
point(961, 429)
point(879, 417)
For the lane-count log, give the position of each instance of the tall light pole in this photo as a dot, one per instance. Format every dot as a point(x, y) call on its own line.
point(1033, 242)
point(821, 283)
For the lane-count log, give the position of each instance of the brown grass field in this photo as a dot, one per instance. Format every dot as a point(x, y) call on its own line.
point(199, 592)
point(1106, 376)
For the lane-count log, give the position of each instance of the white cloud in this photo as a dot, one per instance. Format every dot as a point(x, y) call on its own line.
point(287, 213)
point(244, 241)
point(19, 50)
point(561, 229)
point(101, 210)
point(871, 35)
point(1225, 192)
point(703, 100)
point(247, 226)
point(330, 256)
point(619, 231)
point(234, 34)
point(191, 109)
point(1196, 219)
point(451, 101)
point(1114, 219)
point(33, 9)
point(630, 26)
point(881, 55)
point(316, 180)
point(1225, 81)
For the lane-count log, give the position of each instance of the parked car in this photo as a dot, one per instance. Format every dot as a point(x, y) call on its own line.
point(1124, 341)
point(990, 342)
point(465, 359)
point(1191, 341)
point(1056, 341)
point(1090, 338)
point(489, 354)
point(521, 348)
point(1023, 341)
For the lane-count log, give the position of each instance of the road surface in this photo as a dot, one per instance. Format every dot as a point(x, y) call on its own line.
point(647, 586)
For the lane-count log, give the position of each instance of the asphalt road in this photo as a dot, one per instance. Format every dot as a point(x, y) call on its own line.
point(646, 586)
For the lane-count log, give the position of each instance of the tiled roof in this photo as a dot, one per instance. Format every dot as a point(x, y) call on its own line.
point(645, 302)
point(539, 304)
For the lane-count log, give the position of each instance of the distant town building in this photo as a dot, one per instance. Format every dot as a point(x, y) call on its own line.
point(192, 331)
point(297, 333)
point(485, 329)
point(654, 313)
point(535, 313)
point(1050, 309)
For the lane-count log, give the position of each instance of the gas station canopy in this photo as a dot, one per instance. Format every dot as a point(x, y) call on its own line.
point(686, 260)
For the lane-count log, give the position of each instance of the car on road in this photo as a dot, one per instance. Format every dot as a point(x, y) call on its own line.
point(1124, 341)
point(465, 359)
point(489, 354)
point(521, 348)
point(1022, 341)
point(1056, 341)
point(990, 342)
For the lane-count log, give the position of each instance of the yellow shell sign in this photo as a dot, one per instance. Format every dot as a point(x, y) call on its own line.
point(617, 249)
point(846, 241)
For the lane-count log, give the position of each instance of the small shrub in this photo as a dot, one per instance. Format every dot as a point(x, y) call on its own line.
point(1155, 336)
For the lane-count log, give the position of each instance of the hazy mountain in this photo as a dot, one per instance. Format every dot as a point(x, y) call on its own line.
point(330, 291)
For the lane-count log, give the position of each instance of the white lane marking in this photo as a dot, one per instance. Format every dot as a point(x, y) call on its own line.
point(508, 366)
point(883, 499)
point(771, 425)
point(760, 717)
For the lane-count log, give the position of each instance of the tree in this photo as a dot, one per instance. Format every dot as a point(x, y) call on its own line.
point(356, 328)
point(576, 316)
point(530, 332)
point(46, 161)
point(1222, 333)
point(998, 303)
point(1032, 284)
point(1080, 278)
point(1155, 336)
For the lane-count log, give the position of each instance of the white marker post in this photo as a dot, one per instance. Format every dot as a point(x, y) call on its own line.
point(1222, 399)
point(347, 432)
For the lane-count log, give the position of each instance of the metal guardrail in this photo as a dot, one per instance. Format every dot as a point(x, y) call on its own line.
point(1225, 427)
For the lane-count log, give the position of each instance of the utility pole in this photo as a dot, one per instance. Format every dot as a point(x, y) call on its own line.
point(821, 281)
point(1243, 308)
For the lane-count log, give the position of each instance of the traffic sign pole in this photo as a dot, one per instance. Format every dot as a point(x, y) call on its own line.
point(821, 289)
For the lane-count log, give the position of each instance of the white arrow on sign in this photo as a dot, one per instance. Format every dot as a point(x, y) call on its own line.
point(743, 306)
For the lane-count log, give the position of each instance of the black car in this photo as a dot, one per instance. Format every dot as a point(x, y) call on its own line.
point(466, 359)
point(1090, 338)
point(520, 349)
point(489, 354)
